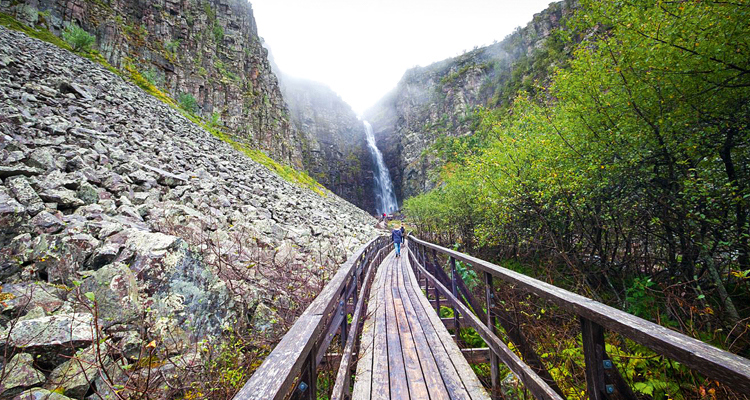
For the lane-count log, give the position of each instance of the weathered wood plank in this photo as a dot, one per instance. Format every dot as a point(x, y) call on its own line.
point(341, 387)
point(363, 379)
point(533, 382)
point(396, 364)
point(430, 371)
point(723, 366)
point(459, 378)
point(593, 351)
point(380, 372)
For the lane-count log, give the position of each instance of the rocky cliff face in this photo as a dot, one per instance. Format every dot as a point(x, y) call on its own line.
point(440, 99)
point(334, 151)
point(128, 233)
point(208, 49)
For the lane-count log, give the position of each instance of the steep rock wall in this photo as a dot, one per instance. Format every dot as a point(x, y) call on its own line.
point(440, 99)
point(334, 151)
point(209, 49)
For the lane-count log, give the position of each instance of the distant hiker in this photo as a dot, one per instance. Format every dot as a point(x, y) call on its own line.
point(397, 239)
point(384, 217)
point(403, 232)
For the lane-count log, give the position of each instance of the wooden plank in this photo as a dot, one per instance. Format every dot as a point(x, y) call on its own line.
point(380, 373)
point(459, 378)
point(435, 385)
point(717, 364)
point(341, 387)
point(363, 379)
point(396, 364)
point(531, 380)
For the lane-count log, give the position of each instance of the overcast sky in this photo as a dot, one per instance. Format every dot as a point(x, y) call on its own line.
point(362, 48)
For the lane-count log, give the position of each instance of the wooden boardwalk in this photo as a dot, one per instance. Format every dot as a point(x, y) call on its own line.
point(406, 351)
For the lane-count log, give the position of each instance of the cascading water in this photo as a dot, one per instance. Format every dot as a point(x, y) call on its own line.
point(385, 198)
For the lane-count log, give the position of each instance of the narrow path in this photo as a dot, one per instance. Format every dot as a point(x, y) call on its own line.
point(406, 351)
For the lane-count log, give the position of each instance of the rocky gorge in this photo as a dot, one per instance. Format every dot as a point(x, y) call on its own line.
point(441, 99)
point(131, 237)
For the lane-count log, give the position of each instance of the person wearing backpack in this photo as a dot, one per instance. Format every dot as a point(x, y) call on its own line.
point(397, 238)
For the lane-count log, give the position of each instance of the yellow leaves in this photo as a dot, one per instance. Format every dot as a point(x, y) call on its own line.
point(151, 345)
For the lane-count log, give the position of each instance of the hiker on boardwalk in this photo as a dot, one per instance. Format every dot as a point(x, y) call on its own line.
point(397, 239)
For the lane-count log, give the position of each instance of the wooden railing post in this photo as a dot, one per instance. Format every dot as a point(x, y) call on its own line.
point(454, 290)
point(491, 323)
point(593, 353)
point(435, 266)
point(344, 323)
point(307, 387)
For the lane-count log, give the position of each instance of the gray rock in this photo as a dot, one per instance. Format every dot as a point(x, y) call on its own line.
point(20, 374)
point(53, 338)
point(45, 222)
point(25, 194)
point(65, 198)
point(87, 193)
point(9, 207)
point(74, 377)
point(40, 394)
point(29, 295)
point(43, 158)
point(116, 294)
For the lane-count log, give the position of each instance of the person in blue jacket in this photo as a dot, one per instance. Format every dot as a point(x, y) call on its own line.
point(397, 238)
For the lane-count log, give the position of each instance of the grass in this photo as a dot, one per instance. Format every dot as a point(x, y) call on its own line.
point(287, 172)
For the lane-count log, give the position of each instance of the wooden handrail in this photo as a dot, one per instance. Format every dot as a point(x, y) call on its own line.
point(715, 363)
point(297, 352)
point(536, 385)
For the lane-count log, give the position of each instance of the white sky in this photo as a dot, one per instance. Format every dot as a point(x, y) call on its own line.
point(362, 48)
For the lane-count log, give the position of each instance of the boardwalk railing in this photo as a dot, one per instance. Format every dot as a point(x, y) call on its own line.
point(291, 368)
point(602, 379)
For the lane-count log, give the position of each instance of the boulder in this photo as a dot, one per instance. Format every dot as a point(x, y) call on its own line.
point(74, 377)
point(46, 222)
point(52, 337)
point(22, 297)
point(40, 394)
point(18, 169)
point(20, 374)
point(115, 290)
point(65, 198)
point(25, 194)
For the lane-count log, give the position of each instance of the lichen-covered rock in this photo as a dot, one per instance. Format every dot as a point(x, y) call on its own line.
point(115, 291)
point(51, 332)
point(19, 374)
point(24, 296)
point(40, 394)
point(74, 377)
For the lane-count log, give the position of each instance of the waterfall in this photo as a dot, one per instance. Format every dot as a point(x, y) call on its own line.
point(385, 198)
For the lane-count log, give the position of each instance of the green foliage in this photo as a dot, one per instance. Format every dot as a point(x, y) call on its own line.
point(641, 299)
point(632, 161)
point(218, 32)
point(154, 77)
point(188, 103)
point(78, 39)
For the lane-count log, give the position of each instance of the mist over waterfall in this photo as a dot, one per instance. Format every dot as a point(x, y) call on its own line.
point(385, 198)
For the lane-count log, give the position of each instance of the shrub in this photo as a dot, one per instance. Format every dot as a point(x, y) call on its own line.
point(188, 103)
point(78, 38)
point(218, 32)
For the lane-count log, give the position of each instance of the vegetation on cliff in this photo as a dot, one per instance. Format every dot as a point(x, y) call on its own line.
point(627, 176)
